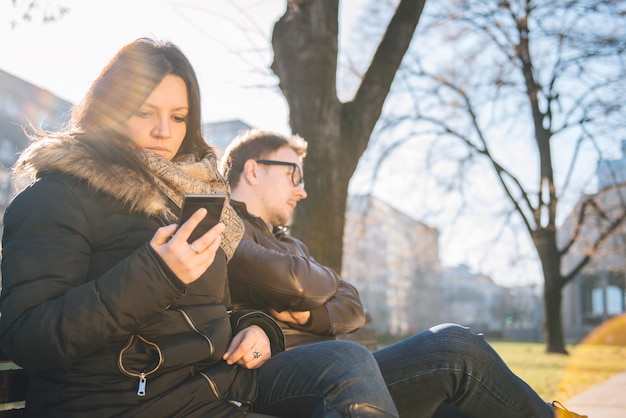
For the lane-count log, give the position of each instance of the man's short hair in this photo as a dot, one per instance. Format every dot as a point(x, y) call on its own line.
point(256, 144)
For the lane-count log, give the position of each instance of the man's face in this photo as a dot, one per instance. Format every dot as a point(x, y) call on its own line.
point(277, 193)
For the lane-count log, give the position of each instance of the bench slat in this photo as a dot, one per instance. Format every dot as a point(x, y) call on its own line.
point(9, 406)
point(12, 388)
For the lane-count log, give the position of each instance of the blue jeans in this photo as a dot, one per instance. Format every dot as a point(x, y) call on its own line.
point(450, 364)
point(327, 379)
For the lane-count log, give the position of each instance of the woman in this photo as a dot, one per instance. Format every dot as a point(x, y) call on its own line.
point(106, 304)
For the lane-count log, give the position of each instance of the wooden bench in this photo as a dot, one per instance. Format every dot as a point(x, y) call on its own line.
point(12, 388)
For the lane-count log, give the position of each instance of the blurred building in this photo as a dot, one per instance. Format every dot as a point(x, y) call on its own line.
point(611, 172)
point(219, 134)
point(393, 260)
point(524, 313)
point(598, 292)
point(23, 105)
point(473, 300)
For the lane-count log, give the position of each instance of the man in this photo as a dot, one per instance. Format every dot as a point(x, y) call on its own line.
point(446, 370)
point(312, 302)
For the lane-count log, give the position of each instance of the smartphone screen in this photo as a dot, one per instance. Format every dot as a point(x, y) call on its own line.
point(213, 204)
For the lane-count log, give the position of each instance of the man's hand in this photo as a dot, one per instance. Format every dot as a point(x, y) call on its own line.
point(291, 317)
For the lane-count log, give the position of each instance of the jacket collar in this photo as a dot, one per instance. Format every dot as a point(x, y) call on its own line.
point(242, 210)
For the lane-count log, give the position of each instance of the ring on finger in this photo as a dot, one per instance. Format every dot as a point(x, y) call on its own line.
point(194, 249)
point(256, 354)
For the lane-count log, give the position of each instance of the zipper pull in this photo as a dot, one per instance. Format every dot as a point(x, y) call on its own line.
point(141, 391)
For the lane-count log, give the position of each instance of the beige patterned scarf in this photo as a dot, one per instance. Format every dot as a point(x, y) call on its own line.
point(186, 175)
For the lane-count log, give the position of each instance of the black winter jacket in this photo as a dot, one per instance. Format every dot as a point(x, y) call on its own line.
point(274, 269)
point(94, 315)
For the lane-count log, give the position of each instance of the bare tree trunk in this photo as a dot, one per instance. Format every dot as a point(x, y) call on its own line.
point(550, 257)
point(305, 42)
point(552, 325)
point(305, 60)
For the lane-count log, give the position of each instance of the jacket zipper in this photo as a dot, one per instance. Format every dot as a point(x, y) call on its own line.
point(142, 376)
point(197, 331)
point(212, 384)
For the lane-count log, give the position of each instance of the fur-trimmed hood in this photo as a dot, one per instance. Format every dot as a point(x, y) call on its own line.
point(170, 179)
point(70, 156)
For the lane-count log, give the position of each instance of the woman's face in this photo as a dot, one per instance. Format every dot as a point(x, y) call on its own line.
point(160, 124)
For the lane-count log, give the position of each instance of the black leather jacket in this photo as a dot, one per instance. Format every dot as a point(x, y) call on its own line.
point(273, 269)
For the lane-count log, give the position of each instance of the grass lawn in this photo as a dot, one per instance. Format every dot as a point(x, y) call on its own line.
point(556, 376)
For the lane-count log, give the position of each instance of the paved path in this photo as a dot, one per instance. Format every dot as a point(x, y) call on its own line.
point(605, 400)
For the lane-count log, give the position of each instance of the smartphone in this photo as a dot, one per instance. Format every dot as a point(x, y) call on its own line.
point(213, 204)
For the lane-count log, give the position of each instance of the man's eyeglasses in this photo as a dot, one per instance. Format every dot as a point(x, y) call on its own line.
point(296, 175)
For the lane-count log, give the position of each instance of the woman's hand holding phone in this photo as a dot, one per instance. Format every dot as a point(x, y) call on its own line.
point(188, 260)
point(213, 203)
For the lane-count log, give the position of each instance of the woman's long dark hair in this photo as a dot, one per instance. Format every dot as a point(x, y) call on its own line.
point(119, 91)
